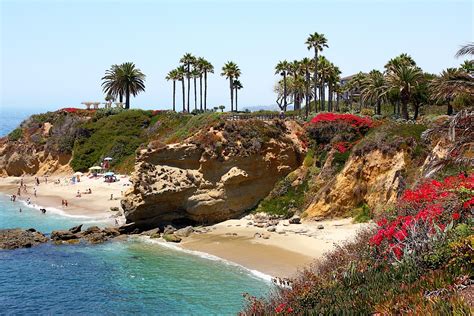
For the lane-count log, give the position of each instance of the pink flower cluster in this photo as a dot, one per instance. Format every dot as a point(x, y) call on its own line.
point(431, 205)
point(353, 120)
point(342, 147)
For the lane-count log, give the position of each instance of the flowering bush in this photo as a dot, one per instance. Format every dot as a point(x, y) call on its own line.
point(425, 213)
point(351, 119)
point(69, 110)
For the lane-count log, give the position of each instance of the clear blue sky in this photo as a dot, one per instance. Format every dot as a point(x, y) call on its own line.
point(53, 53)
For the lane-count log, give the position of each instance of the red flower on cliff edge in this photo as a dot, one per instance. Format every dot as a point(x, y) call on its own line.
point(354, 120)
point(456, 216)
point(280, 308)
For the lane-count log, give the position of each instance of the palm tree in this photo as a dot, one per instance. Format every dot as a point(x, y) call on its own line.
point(375, 89)
point(187, 61)
point(206, 68)
point(404, 79)
point(111, 82)
point(356, 86)
point(294, 70)
point(181, 74)
point(451, 83)
point(306, 65)
point(333, 80)
point(467, 49)
point(324, 72)
point(282, 69)
point(231, 71)
point(317, 42)
point(199, 65)
point(195, 73)
point(237, 87)
point(126, 79)
point(173, 75)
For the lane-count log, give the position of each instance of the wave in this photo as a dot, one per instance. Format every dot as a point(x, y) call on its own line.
point(204, 255)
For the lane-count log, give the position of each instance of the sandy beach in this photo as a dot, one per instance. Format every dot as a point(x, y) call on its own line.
point(290, 248)
point(50, 195)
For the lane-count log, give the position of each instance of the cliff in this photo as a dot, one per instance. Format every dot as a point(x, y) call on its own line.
point(217, 174)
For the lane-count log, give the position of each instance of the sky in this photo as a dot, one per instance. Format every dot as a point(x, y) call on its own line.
point(54, 53)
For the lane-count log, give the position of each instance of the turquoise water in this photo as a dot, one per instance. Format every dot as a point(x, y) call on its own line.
point(126, 277)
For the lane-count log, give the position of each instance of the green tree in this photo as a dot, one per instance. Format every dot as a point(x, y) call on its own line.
point(467, 49)
point(375, 89)
point(124, 79)
point(206, 68)
point(306, 64)
point(195, 73)
point(450, 84)
point(282, 69)
point(187, 61)
point(237, 87)
point(294, 70)
point(231, 71)
point(174, 76)
point(181, 75)
point(221, 107)
point(404, 79)
point(317, 42)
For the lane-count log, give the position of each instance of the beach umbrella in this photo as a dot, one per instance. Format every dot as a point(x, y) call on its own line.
point(109, 174)
point(108, 158)
point(78, 174)
point(95, 168)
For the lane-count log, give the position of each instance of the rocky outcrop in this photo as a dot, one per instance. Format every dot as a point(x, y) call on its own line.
point(214, 176)
point(93, 235)
point(19, 238)
point(374, 179)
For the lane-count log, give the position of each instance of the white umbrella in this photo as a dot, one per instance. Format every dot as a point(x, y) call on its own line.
point(95, 168)
point(108, 158)
point(78, 174)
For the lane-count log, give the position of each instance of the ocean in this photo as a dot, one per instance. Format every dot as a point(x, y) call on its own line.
point(117, 277)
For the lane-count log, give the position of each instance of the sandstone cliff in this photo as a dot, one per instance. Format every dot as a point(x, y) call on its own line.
point(217, 174)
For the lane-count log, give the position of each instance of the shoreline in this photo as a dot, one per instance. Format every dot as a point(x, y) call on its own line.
point(281, 253)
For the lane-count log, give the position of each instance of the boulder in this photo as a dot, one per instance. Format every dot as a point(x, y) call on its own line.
point(295, 220)
point(114, 209)
point(61, 235)
point(169, 229)
point(127, 228)
point(17, 238)
point(92, 230)
point(320, 227)
point(76, 229)
point(271, 229)
point(184, 232)
point(171, 238)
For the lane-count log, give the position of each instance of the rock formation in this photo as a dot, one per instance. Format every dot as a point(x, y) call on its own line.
point(213, 176)
point(19, 238)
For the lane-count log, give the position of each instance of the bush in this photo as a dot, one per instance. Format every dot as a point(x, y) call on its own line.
point(362, 214)
point(16, 134)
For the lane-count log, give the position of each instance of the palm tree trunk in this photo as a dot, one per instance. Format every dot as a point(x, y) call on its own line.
point(307, 83)
point(315, 79)
point(450, 108)
point(120, 97)
point(200, 92)
point(189, 84)
point(416, 108)
point(378, 110)
point(127, 97)
point(338, 98)
point(231, 82)
point(195, 94)
point(284, 92)
point(295, 92)
point(330, 96)
point(184, 96)
point(174, 96)
point(236, 100)
point(405, 109)
point(322, 97)
point(205, 90)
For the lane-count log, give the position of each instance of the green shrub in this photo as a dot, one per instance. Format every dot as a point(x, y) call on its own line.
point(362, 214)
point(309, 159)
point(16, 134)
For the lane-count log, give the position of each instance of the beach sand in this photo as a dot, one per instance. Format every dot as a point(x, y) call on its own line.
point(282, 254)
point(291, 247)
point(49, 195)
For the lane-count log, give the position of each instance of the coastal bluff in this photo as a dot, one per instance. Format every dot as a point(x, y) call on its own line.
point(217, 174)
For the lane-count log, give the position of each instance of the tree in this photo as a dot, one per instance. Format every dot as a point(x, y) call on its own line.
point(394, 94)
point(317, 42)
point(324, 67)
point(195, 74)
point(282, 69)
point(181, 74)
point(206, 68)
point(333, 81)
point(294, 70)
point(449, 84)
point(124, 79)
point(221, 107)
point(404, 79)
point(421, 95)
point(375, 89)
point(231, 71)
point(187, 61)
point(467, 49)
point(237, 87)
point(306, 64)
point(173, 75)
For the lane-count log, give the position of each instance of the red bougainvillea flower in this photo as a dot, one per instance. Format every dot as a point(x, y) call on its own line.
point(456, 216)
point(280, 308)
point(69, 110)
point(382, 222)
point(400, 235)
point(353, 120)
point(289, 310)
point(341, 147)
point(469, 203)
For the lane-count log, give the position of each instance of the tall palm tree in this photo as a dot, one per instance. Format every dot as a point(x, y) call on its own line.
point(404, 79)
point(128, 80)
point(237, 87)
point(282, 69)
point(375, 89)
point(295, 70)
point(187, 61)
point(111, 84)
point(231, 71)
point(181, 74)
point(317, 42)
point(195, 73)
point(199, 65)
point(333, 80)
point(324, 71)
point(174, 76)
point(306, 64)
point(206, 68)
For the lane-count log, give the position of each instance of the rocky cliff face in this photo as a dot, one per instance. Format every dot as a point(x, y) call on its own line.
point(216, 175)
point(374, 179)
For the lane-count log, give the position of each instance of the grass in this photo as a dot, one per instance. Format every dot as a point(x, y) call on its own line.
point(16, 134)
point(362, 214)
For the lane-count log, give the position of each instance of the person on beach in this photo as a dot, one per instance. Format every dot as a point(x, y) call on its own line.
point(78, 193)
point(111, 196)
point(90, 191)
point(19, 191)
point(28, 201)
point(21, 182)
point(43, 210)
point(37, 181)
point(20, 209)
point(65, 203)
point(34, 192)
